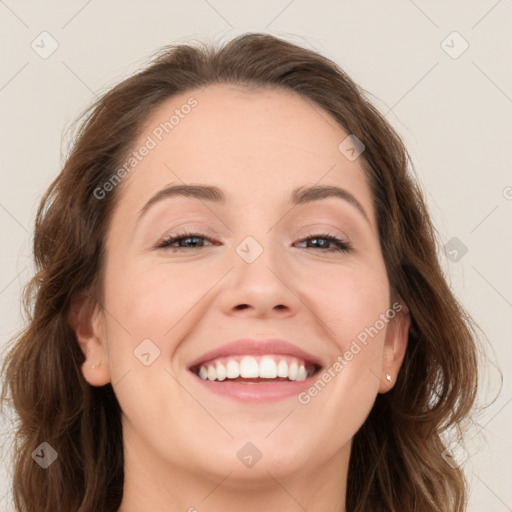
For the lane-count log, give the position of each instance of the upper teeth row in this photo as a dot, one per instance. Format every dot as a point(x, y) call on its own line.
point(248, 368)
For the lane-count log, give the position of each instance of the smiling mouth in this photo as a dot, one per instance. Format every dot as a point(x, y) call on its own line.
point(252, 369)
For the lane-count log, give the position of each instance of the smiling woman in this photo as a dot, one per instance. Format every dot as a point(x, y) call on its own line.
point(251, 316)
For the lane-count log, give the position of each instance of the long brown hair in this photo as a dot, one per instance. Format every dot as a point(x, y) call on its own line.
point(398, 460)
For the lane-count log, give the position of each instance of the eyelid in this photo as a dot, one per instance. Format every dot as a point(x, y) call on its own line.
point(185, 233)
point(342, 243)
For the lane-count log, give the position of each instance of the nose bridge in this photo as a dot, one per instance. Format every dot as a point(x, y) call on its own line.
point(258, 257)
point(259, 280)
point(257, 239)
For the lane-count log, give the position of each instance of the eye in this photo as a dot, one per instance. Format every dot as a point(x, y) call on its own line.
point(323, 240)
point(183, 240)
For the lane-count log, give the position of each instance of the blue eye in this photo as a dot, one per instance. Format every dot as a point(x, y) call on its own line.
point(187, 240)
point(339, 245)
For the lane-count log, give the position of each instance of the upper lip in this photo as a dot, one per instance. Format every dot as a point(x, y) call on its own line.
point(249, 346)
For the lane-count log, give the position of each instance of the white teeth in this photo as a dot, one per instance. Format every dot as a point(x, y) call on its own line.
point(293, 371)
point(268, 368)
point(249, 368)
point(232, 369)
point(282, 369)
point(221, 371)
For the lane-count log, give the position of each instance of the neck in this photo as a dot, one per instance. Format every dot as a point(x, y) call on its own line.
point(152, 483)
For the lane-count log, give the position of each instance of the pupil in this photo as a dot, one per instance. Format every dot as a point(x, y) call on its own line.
point(191, 238)
point(317, 239)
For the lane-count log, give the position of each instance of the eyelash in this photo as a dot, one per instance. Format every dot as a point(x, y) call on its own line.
point(340, 245)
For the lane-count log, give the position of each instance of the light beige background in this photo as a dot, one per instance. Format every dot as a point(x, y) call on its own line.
point(453, 113)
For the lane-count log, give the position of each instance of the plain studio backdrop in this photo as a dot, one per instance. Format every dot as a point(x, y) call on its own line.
point(440, 71)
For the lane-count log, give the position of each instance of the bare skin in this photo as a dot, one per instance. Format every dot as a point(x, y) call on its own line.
point(181, 440)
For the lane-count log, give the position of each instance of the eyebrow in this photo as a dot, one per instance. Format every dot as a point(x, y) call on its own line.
point(301, 195)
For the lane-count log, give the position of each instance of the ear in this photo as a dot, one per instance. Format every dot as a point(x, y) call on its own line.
point(395, 345)
point(85, 319)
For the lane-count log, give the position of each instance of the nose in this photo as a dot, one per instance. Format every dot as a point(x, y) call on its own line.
point(261, 288)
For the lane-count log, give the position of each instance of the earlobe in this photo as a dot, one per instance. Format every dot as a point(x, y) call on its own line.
point(84, 319)
point(395, 345)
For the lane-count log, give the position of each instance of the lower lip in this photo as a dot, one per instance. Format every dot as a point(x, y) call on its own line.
point(256, 392)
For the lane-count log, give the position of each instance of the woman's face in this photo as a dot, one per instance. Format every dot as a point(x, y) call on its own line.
point(258, 266)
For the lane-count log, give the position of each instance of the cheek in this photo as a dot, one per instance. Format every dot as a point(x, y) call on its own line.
point(151, 298)
point(348, 299)
point(148, 307)
point(352, 303)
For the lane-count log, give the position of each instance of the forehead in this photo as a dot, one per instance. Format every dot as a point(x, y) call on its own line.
point(257, 143)
point(239, 118)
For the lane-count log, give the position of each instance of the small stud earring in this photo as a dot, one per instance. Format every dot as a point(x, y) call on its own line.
point(388, 377)
point(95, 365)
